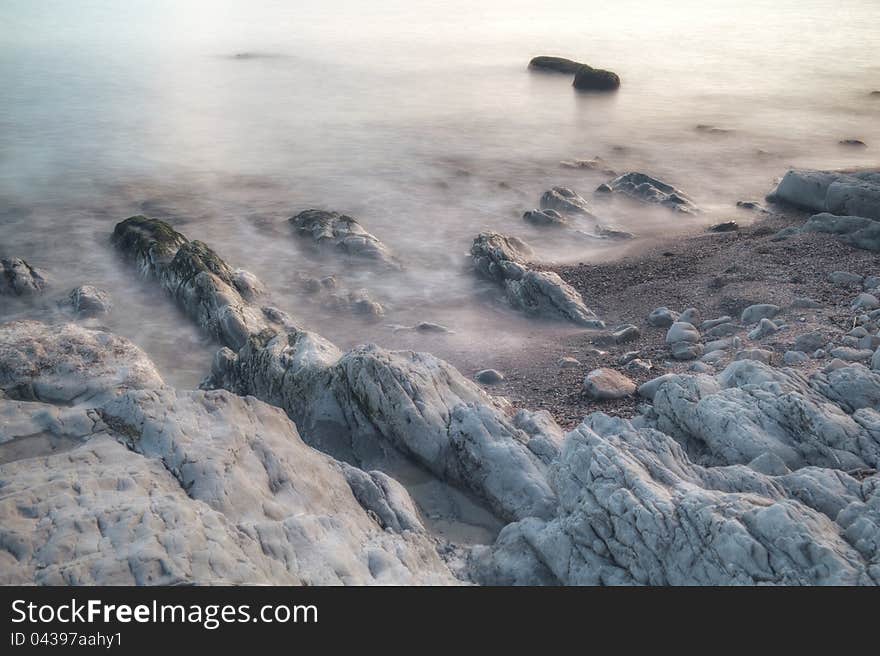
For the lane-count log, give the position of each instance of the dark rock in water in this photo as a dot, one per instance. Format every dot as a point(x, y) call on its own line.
point(853, 142)
point(89, 301)
point(650, 190)
point(588, 78)
point(537, 293)
point(545, 218)
point(344, 233)
point(18, 278)
point(489, 377)
point(556, 64)
point(875, 94)
point(563, 199)
point(203, 284)
point(727, 226)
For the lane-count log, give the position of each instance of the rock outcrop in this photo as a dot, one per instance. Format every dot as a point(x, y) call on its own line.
point(370, 406)
point(644, 188)
point(204, 286)
point(69, 364)
point(537, 293)
point(136, 483)
point(846, 194)
point(342, 233)
point(636, 510)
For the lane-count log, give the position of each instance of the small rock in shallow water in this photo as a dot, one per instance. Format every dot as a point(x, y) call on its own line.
point(727, 226)
point(605, 384)
point(858, 143)
point(88, 301)
point(650, 190)
point(548, 218)
point(563, 199)
point(489, 377)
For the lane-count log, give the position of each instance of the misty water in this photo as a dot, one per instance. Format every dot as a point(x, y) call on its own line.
point(419, 118)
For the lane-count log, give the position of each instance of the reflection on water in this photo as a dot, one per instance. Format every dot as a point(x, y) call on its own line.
point(419, 118)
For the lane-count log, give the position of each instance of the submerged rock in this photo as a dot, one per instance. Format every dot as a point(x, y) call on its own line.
point(537, 293)
point(343, 234)
point(556, 64)
point(18, 278)
point(587, 78)
point(644, 188)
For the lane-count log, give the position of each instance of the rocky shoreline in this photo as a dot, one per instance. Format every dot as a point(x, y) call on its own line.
point(744, 363)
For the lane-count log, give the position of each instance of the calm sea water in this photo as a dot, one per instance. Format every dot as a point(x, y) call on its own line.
point(420, 118)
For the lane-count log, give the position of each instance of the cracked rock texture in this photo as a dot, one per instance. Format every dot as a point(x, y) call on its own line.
point(370, 407)
point(18, 278)
point(537, 293)
point(643, 187)
point(636, 510)
point(142, 484)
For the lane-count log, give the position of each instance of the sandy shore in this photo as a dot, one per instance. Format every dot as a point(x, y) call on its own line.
point(717, 273)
